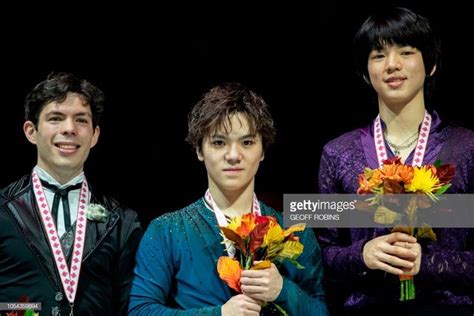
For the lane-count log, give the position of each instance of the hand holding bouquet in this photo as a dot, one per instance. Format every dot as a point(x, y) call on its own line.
point(425, 184)
point(254, 242)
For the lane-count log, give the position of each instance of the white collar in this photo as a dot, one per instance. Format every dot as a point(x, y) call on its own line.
point(45, 176)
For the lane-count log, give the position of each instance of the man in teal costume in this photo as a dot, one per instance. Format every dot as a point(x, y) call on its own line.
point(176, 272)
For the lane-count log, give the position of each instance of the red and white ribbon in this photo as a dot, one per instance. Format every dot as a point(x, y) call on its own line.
point(421, 143)
point(69, 276)
point(222, 221)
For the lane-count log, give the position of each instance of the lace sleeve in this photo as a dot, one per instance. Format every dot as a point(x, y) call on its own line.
point(326, 179)
point(449, 262)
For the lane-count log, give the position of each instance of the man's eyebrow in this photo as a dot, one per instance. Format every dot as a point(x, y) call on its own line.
point(226, 136)
point(63, 114)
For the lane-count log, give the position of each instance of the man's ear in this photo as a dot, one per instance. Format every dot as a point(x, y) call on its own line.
point(199, 154)
point(30, 131)
point(263, 156)
point(433, 71)
point(366, 80)
point(95, 137)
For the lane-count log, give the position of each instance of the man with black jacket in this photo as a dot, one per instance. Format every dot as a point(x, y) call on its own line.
point(61, 244)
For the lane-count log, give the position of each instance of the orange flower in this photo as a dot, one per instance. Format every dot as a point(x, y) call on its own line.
point(406, 173)
point(229, 270)
point(391, 172)
point(364, 185)
point(377, 178)
point(369, 181)
point(244, 225)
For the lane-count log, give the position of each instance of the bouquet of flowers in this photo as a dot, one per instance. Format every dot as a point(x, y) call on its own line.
point(257, 242)
point(425, 183)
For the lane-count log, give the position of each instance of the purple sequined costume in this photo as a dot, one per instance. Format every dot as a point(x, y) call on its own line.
point(446, 275)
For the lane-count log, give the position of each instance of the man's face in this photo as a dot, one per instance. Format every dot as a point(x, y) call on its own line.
point(63, 136)
point(232, 158)
point(397, 73)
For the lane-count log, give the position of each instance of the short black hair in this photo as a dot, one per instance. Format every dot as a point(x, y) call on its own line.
point(396, 26)
point(56, 88)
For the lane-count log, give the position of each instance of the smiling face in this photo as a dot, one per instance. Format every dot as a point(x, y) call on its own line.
point(397, 73)
point(63, 136)
point(232, 155)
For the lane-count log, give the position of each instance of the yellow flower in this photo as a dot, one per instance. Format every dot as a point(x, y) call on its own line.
point(234, 223)
point(291, 250)
point(294, 228)
point(423, 181)
point(275, 235)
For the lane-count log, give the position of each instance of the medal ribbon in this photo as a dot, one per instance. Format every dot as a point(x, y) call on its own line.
point(69, 276)
point(421, 143)
point(222, 221)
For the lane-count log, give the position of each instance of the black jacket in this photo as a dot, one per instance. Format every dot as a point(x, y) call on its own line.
point(27, 267)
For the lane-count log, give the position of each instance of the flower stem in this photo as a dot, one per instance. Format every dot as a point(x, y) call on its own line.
point(407, 289)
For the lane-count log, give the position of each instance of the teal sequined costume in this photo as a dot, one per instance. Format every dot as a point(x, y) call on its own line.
point(176, 270)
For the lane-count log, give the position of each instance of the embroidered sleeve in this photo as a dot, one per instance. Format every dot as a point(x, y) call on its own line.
point(154, 276)
point(302, 292)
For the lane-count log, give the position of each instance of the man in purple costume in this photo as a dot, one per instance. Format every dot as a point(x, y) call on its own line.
point(397, 55)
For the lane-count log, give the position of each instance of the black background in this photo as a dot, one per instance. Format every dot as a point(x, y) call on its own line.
point(298, 58)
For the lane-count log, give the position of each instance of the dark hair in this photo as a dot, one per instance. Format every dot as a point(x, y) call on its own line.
point(56, 88)
point(397, 26)
point(218, 105)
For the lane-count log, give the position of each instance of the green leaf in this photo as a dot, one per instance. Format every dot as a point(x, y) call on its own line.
point(280, 309)
point(295, 263)
point(443, 189)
